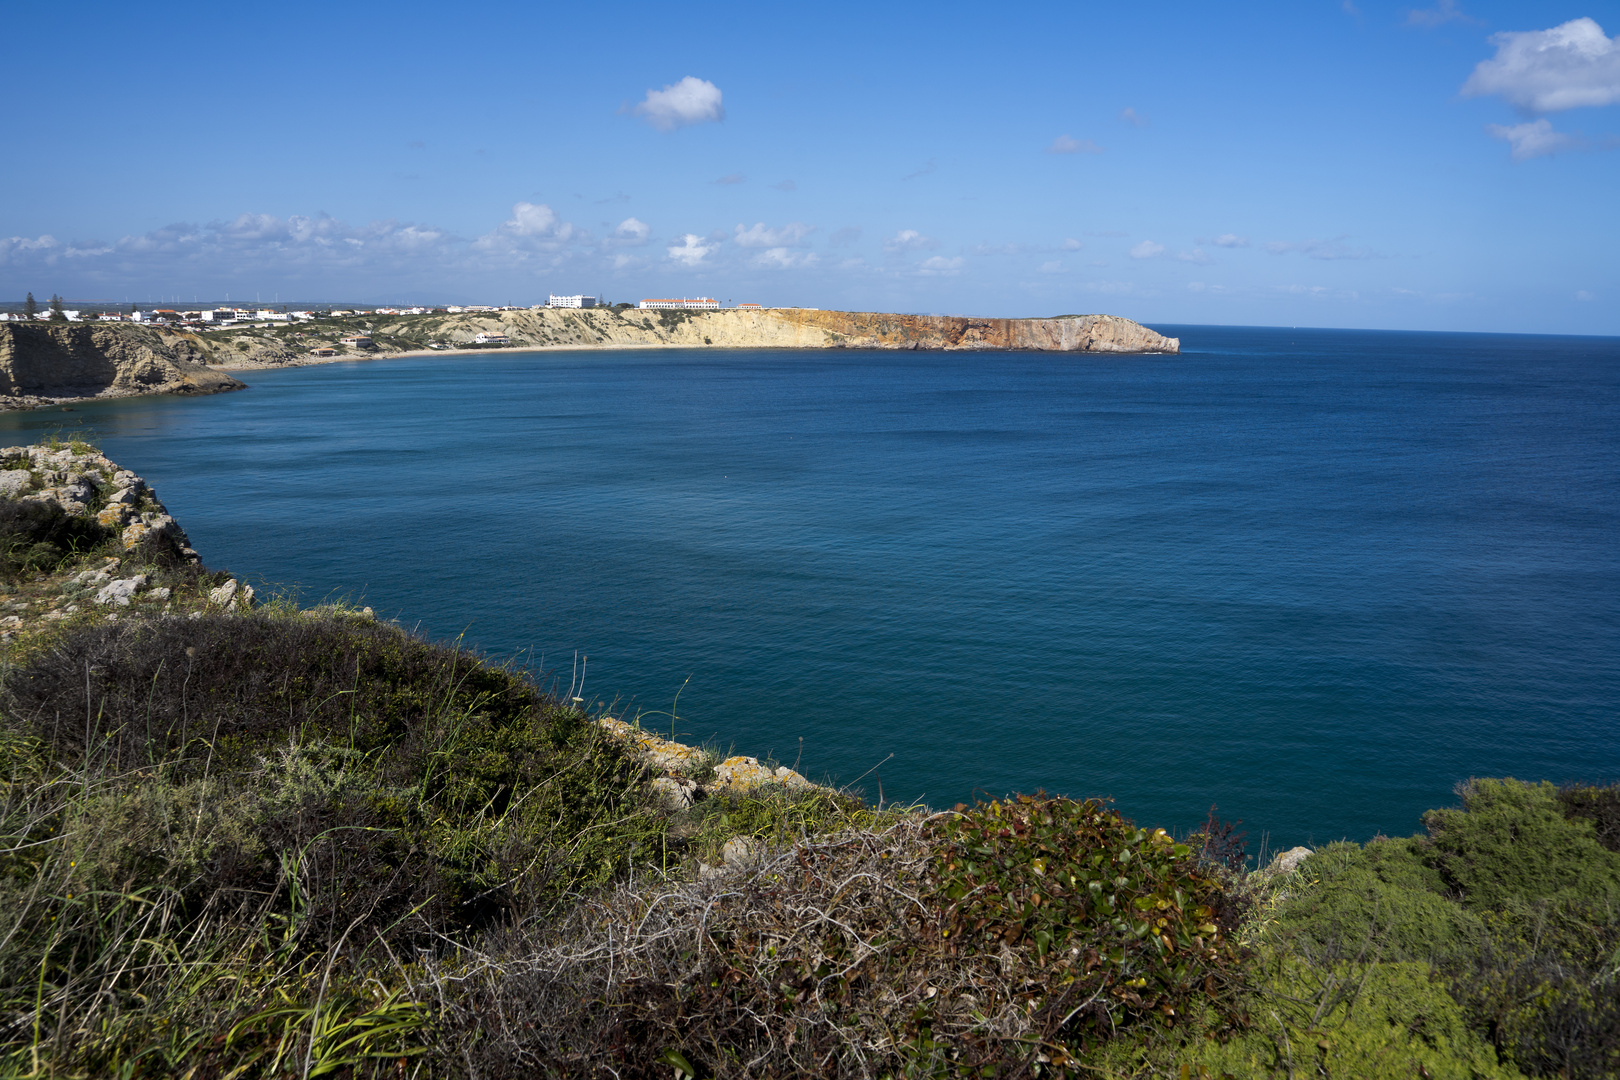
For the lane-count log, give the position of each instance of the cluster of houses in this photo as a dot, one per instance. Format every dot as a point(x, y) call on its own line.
point(209, 318)
point(173, 317)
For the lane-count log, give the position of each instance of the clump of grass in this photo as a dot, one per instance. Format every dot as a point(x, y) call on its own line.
point(247, 824)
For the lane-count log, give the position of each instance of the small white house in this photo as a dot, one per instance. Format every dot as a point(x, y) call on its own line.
point(491, 337)
point(570, 301)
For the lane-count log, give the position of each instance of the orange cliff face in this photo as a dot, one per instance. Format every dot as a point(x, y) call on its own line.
point(1069, 333)
point(806, 328)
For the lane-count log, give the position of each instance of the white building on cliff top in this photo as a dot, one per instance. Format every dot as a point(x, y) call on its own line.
point(701, 303)
point(570, 301)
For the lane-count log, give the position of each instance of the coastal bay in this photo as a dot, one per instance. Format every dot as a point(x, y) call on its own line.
point(1219, 576)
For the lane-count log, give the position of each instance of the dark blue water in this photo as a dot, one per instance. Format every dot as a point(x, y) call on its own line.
point(1317, 577)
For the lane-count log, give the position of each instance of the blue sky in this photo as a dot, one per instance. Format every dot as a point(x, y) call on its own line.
point(1449, 167)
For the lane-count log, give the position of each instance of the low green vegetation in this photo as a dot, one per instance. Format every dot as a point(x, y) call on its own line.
point(1488, 947)
point(275, 842)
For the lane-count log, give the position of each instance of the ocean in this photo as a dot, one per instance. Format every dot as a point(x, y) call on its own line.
point(1314, 578)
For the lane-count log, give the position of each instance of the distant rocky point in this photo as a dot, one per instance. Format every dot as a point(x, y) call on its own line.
point(49, 363)
point(44, 363)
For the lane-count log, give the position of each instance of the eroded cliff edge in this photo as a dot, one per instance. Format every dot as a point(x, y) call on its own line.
point(590, 328)
point(804, 328)
point(41, 363)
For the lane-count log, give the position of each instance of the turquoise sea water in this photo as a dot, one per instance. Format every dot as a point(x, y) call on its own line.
point(1316, 577)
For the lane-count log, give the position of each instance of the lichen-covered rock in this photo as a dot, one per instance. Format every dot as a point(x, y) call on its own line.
point(121, 590)
point(231, 595)
point(675, 793)
point(75, 478)
point(662, 755)
point(674, 762)
point(1288, 861)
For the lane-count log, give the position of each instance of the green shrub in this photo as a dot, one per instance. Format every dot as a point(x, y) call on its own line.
point(1383, 901)
point(1599, 805)
point(1511, 899)
point(1120, 920)
point(1380, 1021)
point(38, 537)
point(1546, 988)
point(1512, 843)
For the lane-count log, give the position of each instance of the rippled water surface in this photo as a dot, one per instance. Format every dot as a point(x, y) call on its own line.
point(1316, 577)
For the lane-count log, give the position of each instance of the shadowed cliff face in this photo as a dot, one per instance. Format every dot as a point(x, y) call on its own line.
point(86, 360)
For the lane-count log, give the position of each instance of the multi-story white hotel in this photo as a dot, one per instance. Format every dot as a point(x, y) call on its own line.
point(570, 301)
point(701, 303)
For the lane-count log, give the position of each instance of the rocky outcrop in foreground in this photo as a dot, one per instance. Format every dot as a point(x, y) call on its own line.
point(44, 363)
point(79, 538)
point(81, 482)
point(686, 774)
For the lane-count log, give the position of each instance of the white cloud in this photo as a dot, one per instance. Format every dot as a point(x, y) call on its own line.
point(1534, 139)
point(1196, 255)
point(939, 264)
point(1230, 240)
point(690, 101)
point(532, 226)
point(691, 250)
point(1068, 144)
point(1147, 249)
point(1542, 71)
point(632, 231)
point(1052, 266)
point(1071, 244)
point(1132, 117)
point(786, 185)
point(265, 248)
point(1583, 295)
point(17, 245)
point(731, 178)
point(781, 258)
point(846, 236)
point(1326, 250)
point(1443, 12)
point(792, 234)
point(534, 219)
point(909, 240)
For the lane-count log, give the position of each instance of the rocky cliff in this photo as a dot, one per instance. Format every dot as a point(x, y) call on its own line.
point(785, 328)
point(803, 328)
point(44, 362)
